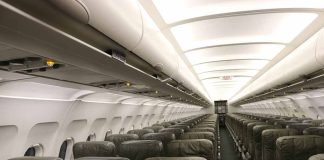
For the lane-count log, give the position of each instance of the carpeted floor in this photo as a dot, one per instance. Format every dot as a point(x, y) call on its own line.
point(227, 145)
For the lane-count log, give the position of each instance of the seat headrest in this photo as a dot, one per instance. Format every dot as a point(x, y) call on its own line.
point(117, 139)
point(199, 135)
point(35, 158)
point(140, 132)
point(94, 149)
point(175, 158)
point(166, 124)
point(154, 128)
point(176, 131)
point(163, 137)
point(102, 158)
point(300, 126)
point(299, 147)
point(140, 149)
point(186, 128)
point(202, 130)
point(258, 129)
point(191, 147)
point(317, 157)
point(314, 131)
point(205, 125)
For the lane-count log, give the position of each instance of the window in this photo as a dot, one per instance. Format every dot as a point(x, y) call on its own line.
point(35, 150)
point(66, 149)
point(109, 132)
point(92, 137)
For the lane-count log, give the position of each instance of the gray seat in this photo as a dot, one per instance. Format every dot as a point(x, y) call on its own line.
point(257, 138)
point(165, 138)
point(191, 147)
point(298, 147)
point(176, 131)
point(117, 139)
point(300, 126)
point(166, 124)
point(35, 158)
point(175, 158)
point(102, 158)
point(199, 135)
point(314, 122)
point(269, 138)
point(249, 136)
point(94, 149)
point(141, 149)
point(202, 130)
point(154, 128)
point(314, 131)
point(317, 157)
point(140, 132)
point(285, 123)
point(185, 128)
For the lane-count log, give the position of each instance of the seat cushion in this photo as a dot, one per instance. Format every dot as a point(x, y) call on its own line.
point(140, 132)
point(298, 147)
point(175, 158)
point(141, 149)
point(191, 147)
point(317, 157)
point(269, 138)
point(94, 149)
point(35, 158)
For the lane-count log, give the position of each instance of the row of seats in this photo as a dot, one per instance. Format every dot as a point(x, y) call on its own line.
point(269, 137)
point(192, 138)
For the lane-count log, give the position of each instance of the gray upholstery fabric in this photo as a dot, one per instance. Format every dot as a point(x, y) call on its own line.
point(314, 131)
point(191, 147)
point(257, 139)
point(314, 122)
point(166, 124)
point(117, 139)
point(165, 138)
point(285, 123)
point(140, 132)
point(186, 128)
point(244, 132)
point(317, 157)
point(102, 158)
point(249, 136)
point(36, 158)
point(175, 158)
point(300, 126)
point(199, 135)
point(154, 128)
point(269, 138)
point(176, 131)
point(94, 149)
point(205, 125)
point(202, 130)
point(141, 149)
point(298, 147)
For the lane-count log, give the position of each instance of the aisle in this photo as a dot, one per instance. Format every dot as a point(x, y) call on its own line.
point(227, 145)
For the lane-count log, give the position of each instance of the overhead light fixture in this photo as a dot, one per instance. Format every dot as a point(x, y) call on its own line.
point(156, 92)
point(128, 84)
point(50, 63)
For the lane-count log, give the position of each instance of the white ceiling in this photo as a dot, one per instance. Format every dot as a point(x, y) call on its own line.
point(228, 42)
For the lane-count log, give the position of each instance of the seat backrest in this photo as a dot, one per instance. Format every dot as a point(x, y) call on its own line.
point(141, 149)
point(185, 128)
point(165, 138)
point(257, 139)
point(166, 124)
point(316, 123)
point(140, 132)
point(154, 128)
point(176, 131)
point(205, 125)
point(35, 158)
point(175, 158)
point(191, 147)
point(314, 131)
point(269, 138)
point(249, 134)
point(102, 158)
point(300, 126)
point(244, 132)
point(298, 147)
point(199, 135)
point(202, 130)
point(317, 157)
point(285, 123)
point(117, 139)
point(94, 149)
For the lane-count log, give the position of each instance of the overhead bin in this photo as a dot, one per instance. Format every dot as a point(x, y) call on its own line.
point(305, 59)
point(129, 25)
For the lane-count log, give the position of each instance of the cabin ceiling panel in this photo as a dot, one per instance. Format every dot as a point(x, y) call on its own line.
point(232, 72)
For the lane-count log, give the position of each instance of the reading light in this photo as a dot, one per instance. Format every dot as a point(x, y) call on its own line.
point(128, 84)
point(156, 92)
point(50, 63)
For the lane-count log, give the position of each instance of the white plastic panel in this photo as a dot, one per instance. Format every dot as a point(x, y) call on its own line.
point(236, 64)
point(248, 51)
point(231, 72)
point(169, 10)
point(135, 101)
point(272, 27)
